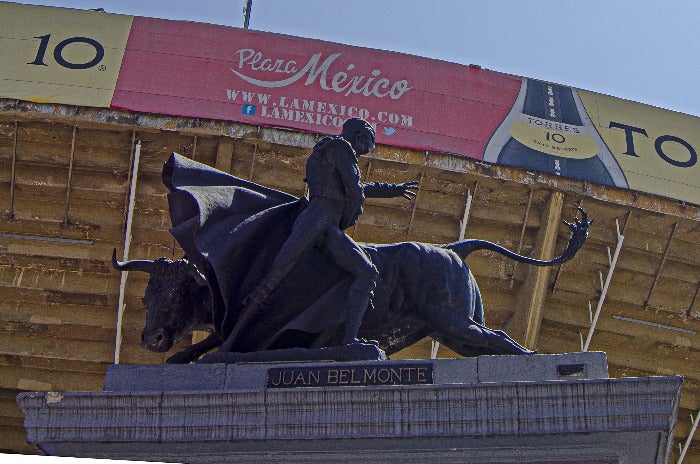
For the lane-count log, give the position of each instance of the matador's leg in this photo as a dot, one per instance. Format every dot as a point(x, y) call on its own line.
point(348, 255)
point(307, 228)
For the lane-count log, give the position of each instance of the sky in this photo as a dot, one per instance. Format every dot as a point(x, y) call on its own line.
point(641, 50)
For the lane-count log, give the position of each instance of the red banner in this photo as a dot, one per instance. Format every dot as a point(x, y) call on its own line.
point(217, 72)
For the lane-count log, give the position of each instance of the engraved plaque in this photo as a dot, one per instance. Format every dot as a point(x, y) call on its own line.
point(350, 375)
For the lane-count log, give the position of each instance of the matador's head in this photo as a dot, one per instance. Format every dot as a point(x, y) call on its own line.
point(360, 134)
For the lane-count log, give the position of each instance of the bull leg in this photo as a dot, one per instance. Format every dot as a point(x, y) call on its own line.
point(465, 334)
point(507, 342)
point(193, 352)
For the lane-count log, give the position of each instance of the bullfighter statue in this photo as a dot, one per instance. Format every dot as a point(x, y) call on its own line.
point(270, 274)
point(336, 197)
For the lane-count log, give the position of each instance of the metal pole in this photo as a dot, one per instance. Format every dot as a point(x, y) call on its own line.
point(70, 175)
point(605, 286)
point(435, 345)
point(694, 427)
point(522, 235)
point(465, 216)
point(415, 206)
point(246, 13)
point(127, 244)
point(13, 174)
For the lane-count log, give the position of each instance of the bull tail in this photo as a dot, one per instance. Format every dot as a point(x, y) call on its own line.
point(464, 248)
point(579, 234)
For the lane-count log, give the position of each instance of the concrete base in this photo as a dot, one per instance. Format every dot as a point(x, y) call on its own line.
point(530, 409)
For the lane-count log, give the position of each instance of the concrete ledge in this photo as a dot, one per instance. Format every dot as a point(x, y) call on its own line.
point(463, 414)
point(548, 418)
point(254, 376)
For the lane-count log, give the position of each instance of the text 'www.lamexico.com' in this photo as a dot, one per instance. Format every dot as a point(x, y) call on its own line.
point(309, 111)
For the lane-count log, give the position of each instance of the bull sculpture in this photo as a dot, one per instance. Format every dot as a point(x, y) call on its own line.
point(422, 290)
point(231, 229)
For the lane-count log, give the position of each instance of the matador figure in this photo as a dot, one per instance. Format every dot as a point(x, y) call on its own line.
point(336, 197)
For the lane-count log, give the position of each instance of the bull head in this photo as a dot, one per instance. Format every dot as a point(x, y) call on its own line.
point(170, 299)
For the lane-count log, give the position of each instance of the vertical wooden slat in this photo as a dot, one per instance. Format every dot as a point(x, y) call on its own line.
point(252, 162)
point(70, 175)
point(661, 266)
point(415, 205)
point(224, 154)
point(12, 174)
point(127, 244)
point(131, 170)
point(522, 235)
point(527, 319)
point(694, 309)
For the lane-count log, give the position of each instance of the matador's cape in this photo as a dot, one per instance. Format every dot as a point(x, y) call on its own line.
point(232, 229)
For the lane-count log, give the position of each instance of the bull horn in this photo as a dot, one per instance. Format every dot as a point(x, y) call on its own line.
point(133, 265)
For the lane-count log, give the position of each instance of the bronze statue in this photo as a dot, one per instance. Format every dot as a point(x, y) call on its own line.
point(232, 232)
point(422, 290)
point(336, 197)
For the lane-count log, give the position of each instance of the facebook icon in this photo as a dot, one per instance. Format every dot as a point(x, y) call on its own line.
point(249, 110)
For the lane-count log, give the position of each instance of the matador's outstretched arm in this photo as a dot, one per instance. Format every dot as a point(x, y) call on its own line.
point(387, 190)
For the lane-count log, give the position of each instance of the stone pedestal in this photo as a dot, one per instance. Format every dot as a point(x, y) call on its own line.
point(528, 409)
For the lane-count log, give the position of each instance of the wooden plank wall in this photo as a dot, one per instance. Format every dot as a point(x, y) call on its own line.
point(64, 186)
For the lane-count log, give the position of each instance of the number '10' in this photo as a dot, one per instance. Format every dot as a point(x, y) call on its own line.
point(58, 52)
point(555, 137)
